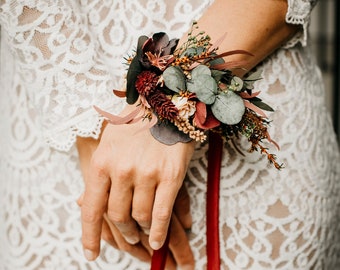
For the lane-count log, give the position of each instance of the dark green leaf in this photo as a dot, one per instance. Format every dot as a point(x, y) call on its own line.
point(252, 78)
point(134, 69)
point(262, 105)
point(217, 74)
point(216, 61)
point(131, 78)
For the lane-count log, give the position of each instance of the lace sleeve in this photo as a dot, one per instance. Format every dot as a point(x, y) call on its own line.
point(57, 61)
point(299, 12)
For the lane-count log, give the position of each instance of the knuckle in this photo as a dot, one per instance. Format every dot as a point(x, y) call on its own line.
point(89, 216)
point(162, 214)
point(123, 172)
point(173, 182)
point(177, 242)
point(117, 218)
point(98, 164)
point(149, 172)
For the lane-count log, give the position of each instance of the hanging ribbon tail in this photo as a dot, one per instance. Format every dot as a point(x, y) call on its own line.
point(158, 259)
point(212, 207)
point(118, 120)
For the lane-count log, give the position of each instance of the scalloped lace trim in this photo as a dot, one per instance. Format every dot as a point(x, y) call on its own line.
point(85, 125)
point(299, 13)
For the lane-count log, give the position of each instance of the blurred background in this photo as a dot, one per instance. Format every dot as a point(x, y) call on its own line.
point(325, 33)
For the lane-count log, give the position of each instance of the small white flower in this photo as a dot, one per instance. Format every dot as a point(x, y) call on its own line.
point(186, 108)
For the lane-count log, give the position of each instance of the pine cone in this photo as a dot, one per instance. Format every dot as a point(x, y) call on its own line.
point(162, 105)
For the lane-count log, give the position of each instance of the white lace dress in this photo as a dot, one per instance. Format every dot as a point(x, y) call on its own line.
point(59, 57)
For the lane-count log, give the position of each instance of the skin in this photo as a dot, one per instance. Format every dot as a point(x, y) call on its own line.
point(133, 178)
point(180, 252)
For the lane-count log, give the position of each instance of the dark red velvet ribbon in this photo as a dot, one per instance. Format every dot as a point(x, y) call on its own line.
point(158, 259)
point(213, 192)
point(212, 210)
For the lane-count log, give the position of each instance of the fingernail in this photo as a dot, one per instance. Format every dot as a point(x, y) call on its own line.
point(132, 239)
point(146, 231)
point(89, 255)
point(155, 245)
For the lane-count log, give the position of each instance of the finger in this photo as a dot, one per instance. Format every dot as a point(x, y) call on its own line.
point(161, 213)
point(137, 250)
point(143, 198)
point(119, 210)
point(92, 209)
point(107, 235)
point(182, 208)
point(144, 240)
point(179, 245)
point(170, 263)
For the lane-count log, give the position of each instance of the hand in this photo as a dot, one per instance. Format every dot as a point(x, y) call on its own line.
point(180, 253)
point(112, 158)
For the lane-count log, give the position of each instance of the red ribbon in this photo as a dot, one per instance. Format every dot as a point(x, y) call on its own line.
point(158, 259)
point(212, 210)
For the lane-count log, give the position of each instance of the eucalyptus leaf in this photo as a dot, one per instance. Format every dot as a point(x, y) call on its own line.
point(174, 79)
point(192, 51)
point(200, 70)
point(205, 88)
point(228, 108)
point(236, 83)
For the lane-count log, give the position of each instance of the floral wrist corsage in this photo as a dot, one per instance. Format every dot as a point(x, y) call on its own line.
point(184, 92)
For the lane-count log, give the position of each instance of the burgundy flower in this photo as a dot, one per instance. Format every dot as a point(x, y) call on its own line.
point(146, 83)
point(158, 45)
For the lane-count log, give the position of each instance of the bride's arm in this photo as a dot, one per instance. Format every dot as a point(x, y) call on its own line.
point(258, 27)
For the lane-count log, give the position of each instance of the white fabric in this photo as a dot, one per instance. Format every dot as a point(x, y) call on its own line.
point(59, 57)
